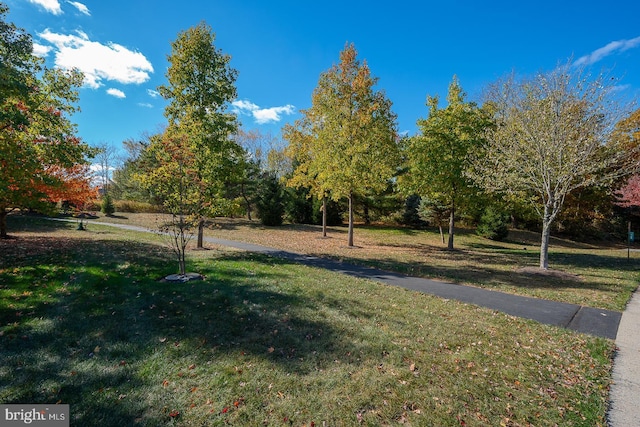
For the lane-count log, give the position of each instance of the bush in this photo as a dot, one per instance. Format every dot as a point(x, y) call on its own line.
point(494, 224)
point(107, 207)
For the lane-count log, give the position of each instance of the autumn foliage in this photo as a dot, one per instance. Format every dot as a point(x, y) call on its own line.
point(42, 161)
point(629, 194)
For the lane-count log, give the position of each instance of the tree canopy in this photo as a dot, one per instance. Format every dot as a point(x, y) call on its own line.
point(438, 158)
point(345, 143)
point(42, 159)
point(552, 136)
point(200, 87)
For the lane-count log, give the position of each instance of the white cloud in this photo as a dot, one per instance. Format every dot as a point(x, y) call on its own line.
point(82, 8)
point(116, 93)
point(51, 6)
point(41, 50)
point(152, 93)
point(621, 88)
point(244, 106)
point(145, 105)
point(609, 49)
point(97, 61)
point(262, 115)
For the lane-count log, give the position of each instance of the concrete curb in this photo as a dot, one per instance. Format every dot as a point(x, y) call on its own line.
point(624, 410)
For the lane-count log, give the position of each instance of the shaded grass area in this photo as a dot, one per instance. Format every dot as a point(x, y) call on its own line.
point(85, 321)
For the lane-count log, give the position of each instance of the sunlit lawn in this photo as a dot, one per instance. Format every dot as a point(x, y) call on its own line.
point(84, 320)
point(596, 275)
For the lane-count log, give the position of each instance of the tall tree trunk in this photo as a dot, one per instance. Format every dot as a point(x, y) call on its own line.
point(367, 217)
point(350, 234)
point(544, 243)
point(180, 243)
point(200, 242)
point(324, 217)
point(452, 216)
point(3, 224)
point(182, 262)
point(246, 201)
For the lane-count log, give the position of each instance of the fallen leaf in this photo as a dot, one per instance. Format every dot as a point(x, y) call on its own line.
point(192, 366)
point(174, 414)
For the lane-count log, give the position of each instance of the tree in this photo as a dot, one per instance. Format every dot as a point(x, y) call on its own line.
point(434, 213)
point(629, 194)
point(270, 200)
point(627, 136)
point(255, 145)
point(106, 158)
point(345, 144)
point(411, 214)
point(551, 137)
point(200, 88)
point(107, 207)
point(494, 223)
point(439, 157)
point(176, 182)
point(42, 161)
point(301, 153)
point(138, 159)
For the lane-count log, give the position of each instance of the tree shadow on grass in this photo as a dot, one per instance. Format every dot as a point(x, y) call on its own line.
point(488, 270)
point(24, 222)
point(84, 323)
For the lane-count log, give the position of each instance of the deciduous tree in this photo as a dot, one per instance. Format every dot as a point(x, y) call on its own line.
point(627, 136)
point(629, 194)
point(200, 87)
point(439, 157)
point(346, 142)
point(176, 181)
point(42, 161)
point(551, 137)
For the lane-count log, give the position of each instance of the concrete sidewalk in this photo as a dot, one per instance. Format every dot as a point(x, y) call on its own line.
point(624, 410)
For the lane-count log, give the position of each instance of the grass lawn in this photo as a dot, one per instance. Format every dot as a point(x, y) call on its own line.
point(592, 275)
point(84, 320)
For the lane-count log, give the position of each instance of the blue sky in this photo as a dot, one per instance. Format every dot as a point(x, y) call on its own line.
point(280, 48)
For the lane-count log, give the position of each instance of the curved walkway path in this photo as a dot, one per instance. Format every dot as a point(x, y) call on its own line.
point(624, 328)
